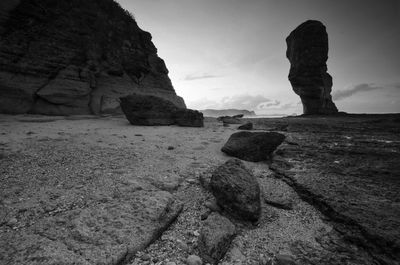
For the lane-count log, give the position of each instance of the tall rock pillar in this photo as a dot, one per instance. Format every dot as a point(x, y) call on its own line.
point(307, 51)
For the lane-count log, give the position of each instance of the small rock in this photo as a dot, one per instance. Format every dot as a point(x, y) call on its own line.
point(191, 181)
point(194, 260)
point(182, 245)
point(282, 204)
point(145, 257)
point(284, 260)
point(12, 222)
point(212, 205)
point(171, 148)
point(205, 180)
point(246, 126)
point(170, 263)
point(215, 238)
point(205, 215)
point(262, 260)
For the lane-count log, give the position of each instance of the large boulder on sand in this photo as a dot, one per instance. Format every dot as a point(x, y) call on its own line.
point(307, 51)
point(236, 190)
point(252, 146)
point(215, 238)
point(188, 118)
point(152, 110)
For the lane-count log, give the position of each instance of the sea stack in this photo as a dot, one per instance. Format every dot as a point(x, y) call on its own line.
point(307, 51)
point(75, 57)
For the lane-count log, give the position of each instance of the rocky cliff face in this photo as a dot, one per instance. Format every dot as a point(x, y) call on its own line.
point(307, 51)
point(75, 57)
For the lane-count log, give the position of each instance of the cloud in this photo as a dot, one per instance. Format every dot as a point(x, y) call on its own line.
point(267, 105)
point(192, 77)
point(257, 103)
point(342, 94)
point(248, 102)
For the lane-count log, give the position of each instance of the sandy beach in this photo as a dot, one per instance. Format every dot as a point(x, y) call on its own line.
point(98, 190)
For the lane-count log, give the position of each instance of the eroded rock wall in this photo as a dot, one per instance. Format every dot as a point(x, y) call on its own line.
point(75, 57)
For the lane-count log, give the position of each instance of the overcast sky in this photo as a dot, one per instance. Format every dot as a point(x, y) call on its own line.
point(231, 53)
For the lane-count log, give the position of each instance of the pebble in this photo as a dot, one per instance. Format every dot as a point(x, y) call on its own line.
point(145, 257)
point(191, 181)
point(182, 245)
point(212, 205)
point(264, 260)
point(284, 260)
point(205, 215)
point(12, 222)
point(170, 263)
point(171, 148)
point(194, 260)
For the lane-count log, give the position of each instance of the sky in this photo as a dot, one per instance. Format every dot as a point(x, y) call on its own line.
point(231, 53)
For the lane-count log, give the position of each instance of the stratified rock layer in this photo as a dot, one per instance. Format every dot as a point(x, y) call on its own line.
point(307, 51)
point(75, 57)
point(151, 110)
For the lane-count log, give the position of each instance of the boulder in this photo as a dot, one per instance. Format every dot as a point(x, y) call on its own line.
point(189, 118)
point(246, 126)
point(307, 51)
point(215, 238)
point(80, 61)
point(151, 110)
point(237, 190)
point(252, 146)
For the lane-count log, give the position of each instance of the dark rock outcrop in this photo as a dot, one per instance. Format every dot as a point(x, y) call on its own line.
point(246, 126)
point(237, 190)
point(151, 110)
point(215, 237)
point(307, 51)
point(75, 57)
point(229, 120)
point(252, 146)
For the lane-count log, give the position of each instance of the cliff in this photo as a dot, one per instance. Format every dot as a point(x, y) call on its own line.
point(75, 57)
